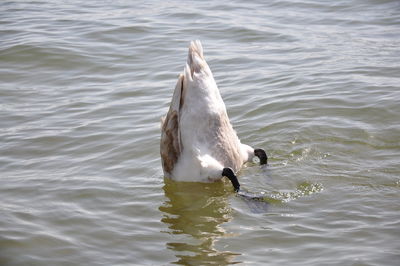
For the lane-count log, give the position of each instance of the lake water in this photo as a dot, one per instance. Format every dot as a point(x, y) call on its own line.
point(83, 85)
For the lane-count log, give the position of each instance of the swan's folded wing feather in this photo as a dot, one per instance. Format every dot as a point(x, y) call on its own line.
point(170, 146)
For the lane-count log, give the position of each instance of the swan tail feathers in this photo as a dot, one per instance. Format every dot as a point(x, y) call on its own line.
point(196, 61)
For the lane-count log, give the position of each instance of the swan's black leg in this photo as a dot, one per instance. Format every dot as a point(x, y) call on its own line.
point(228, 172)
point(260, 153)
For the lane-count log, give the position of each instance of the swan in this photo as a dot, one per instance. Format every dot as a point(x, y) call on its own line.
point(198, 142)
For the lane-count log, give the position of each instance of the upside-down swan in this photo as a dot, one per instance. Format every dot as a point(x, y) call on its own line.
point(198, 142)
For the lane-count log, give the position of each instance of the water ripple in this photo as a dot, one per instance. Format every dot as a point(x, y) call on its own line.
point(84, 86)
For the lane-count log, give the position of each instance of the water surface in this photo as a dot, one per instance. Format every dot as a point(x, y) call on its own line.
point(83, 88)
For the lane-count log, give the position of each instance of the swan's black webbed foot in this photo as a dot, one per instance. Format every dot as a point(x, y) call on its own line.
point(228, 172)
point(260, 153)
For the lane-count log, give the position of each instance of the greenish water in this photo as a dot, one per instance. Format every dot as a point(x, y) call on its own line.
point(83, 87)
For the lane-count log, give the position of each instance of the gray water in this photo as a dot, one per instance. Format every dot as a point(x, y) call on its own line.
point(83, 85)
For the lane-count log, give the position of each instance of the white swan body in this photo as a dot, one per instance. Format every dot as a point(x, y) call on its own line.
point(197, 138)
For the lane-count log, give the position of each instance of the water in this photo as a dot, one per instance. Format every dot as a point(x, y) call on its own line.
point(83, 87)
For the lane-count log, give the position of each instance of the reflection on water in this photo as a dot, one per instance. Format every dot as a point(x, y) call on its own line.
point(194, 213)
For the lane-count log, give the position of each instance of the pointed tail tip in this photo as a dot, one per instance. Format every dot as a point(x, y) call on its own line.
point(196, 48)
point(195, 61)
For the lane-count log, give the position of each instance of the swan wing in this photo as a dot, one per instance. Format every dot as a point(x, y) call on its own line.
point(171, 146)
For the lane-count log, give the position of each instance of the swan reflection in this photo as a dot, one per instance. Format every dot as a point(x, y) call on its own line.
point(194, 213)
